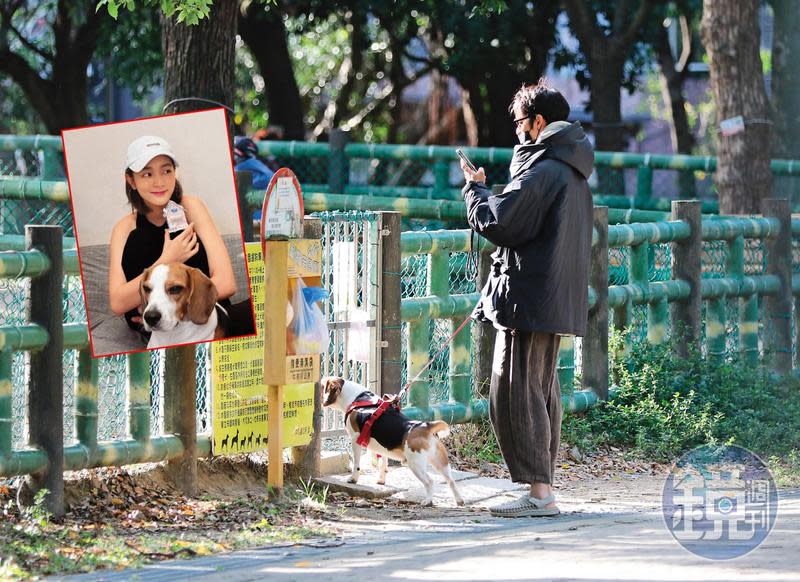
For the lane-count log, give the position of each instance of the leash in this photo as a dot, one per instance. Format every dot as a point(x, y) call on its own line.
point(471, 255)
point(402, 392)
point(382, 403)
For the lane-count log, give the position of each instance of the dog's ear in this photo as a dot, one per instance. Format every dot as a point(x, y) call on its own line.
point(331, 388)
point(202, 296)
point(142, 295)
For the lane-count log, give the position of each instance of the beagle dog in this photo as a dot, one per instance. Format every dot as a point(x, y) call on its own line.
point(179, 305)
point(393, 435)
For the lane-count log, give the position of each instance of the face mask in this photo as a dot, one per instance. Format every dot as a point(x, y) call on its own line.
point(524, 137)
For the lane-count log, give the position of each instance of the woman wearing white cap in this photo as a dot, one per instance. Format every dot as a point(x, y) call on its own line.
point(142, 238)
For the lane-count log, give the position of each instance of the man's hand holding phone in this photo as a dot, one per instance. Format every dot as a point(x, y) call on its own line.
point(471, 173)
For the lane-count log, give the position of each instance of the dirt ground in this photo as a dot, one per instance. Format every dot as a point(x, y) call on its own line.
point(119, 518)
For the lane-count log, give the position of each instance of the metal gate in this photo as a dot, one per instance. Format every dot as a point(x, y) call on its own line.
point(351, 272)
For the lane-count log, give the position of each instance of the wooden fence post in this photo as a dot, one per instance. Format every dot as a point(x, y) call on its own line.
point(180, 414)
point(46, 394)
point(307, 458)
point(686, 266)
point(778, 308)
point(594, 348)
point(391, 325)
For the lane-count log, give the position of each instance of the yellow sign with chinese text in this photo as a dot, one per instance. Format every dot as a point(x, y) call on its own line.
point(239, 396)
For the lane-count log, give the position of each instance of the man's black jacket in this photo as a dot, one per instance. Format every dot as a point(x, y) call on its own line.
point(542, 226)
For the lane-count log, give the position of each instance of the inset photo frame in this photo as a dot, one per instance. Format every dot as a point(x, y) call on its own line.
point(159, 232)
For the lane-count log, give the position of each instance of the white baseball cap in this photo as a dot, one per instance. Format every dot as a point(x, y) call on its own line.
point(144, 149)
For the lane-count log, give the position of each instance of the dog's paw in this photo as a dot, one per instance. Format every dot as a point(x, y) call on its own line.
point(460, 502)
point(381, 481)
point(427, 503)
point(353, 479)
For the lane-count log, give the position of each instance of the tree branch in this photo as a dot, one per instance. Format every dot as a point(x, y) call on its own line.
point(626, 38)
point(39, 91)
point(583, 20)
point(86, 37)
point(620, 12)
point(381, 98)
point(686, 44)
point(7, 23)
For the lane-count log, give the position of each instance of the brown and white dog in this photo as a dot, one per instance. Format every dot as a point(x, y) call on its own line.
point(178, 305)
point(394, 435)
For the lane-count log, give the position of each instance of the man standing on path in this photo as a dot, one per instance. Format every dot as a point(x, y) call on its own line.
point(537, 289)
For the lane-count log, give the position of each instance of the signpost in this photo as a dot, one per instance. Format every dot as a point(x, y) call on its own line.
point(287, 259)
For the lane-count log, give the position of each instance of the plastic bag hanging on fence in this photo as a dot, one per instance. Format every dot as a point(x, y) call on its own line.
point(309, 327)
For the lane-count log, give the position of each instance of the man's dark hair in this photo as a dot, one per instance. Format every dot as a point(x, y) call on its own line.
point(541, 99)
point(136, 200)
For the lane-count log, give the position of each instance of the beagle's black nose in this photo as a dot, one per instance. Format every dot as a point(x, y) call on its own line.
point(152, 317)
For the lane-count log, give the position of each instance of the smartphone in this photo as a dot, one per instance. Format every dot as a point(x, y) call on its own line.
point(467, 161)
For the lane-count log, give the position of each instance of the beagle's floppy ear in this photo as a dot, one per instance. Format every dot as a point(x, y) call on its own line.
point(331, 389)
point(202, 296)
point(142, 297)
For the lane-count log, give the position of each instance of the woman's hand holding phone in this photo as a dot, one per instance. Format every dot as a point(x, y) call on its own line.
point(181, 248)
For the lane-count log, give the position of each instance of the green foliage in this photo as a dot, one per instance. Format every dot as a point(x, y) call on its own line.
point(132, 53)
point(666, 406)
point(16, 114)
point(474, 443)
point(313, 492)
point(37, 515)
point(187, 11)
point(640, 59)
point(785, 469)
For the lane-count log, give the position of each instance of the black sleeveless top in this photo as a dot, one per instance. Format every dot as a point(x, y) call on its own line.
point(142, 249)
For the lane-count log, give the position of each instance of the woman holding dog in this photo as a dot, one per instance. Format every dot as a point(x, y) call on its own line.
point(142, 238)
point(537, 289)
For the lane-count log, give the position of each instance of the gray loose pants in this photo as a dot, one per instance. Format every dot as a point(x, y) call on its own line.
point(525, 403)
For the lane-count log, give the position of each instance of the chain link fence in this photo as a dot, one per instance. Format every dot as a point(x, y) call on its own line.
point(352, 234)
point(415, 282)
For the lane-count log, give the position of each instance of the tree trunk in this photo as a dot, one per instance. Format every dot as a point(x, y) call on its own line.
point(265, 35)
point(359, 46)
point(672, 93)
point(786, 78)
point(607, 69)
point(731, 36)
point(500, 88)
point(199, 61)
point(437, 108)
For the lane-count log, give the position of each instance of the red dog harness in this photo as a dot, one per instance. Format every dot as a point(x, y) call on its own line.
point(381, 404)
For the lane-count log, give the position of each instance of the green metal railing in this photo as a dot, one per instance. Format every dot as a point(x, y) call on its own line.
point(440, 210)
point(740, 284)
point(423, 172)
point(738, 272)
point(87, 452)
point(420, 314)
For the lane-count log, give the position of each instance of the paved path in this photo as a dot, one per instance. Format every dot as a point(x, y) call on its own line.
point(601, 538)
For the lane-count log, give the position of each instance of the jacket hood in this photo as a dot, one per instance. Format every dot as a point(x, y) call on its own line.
point(561, 140)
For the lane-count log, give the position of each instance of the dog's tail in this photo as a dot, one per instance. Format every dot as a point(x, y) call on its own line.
point(438, 427)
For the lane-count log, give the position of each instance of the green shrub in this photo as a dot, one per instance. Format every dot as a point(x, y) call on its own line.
point(665, 405)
